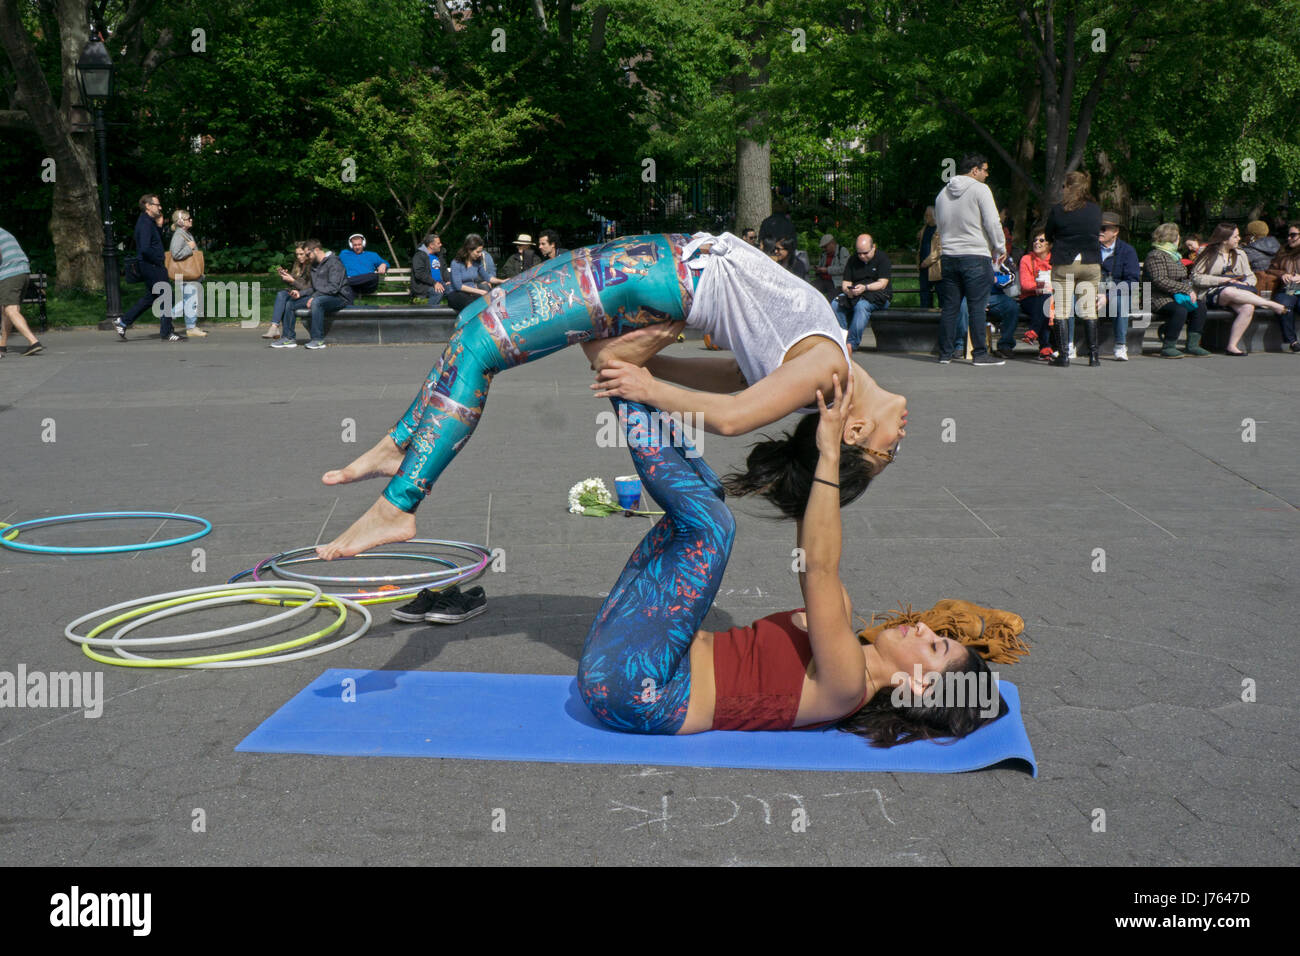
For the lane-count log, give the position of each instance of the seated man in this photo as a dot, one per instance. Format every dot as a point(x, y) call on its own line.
point(429, 270)
point(523, 259)
point(330, 292)
point(1120, 275)
point(363, 268)
point(864, 289)
point(548, 243)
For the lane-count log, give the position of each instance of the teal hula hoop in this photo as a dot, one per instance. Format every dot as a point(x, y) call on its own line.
point(7, 541)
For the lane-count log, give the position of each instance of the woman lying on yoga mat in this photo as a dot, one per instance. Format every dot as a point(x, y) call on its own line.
point(786, 340)
point(648, 668)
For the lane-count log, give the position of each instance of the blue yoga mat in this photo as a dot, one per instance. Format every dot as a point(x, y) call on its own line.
point(541, 718)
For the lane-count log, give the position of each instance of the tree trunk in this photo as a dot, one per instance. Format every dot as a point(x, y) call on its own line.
point(753, 183)
point(1025, 149)
point(75, 219)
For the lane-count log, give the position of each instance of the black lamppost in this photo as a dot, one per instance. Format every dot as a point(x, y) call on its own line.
point(95, 78)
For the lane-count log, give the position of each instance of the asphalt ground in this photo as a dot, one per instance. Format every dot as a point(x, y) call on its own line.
point(1160, 694)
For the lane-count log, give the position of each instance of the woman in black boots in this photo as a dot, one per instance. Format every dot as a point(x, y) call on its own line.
point(1074, 230)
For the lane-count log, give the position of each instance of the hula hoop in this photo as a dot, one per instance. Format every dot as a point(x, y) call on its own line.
point(385, 593)
point(193, 602)
point(277, 564)
point(6, 541)
point(217, 594)
point(307, 556)
point(139, 660)
point(357, 597)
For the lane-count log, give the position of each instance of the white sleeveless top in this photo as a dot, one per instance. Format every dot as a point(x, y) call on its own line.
point(749, 304)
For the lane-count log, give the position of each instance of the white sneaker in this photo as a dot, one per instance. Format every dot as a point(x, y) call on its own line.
point(1072, 355)
point(1121, 353)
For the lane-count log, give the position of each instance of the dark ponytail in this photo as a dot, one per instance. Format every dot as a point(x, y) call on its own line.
point(781, 470)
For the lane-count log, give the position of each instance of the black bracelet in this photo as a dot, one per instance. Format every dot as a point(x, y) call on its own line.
point(825, 482)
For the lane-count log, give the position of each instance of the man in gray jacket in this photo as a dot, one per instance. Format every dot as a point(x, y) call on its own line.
point(330, 292)
point(971, 236)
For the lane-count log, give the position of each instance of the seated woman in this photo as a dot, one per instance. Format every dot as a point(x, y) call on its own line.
point(1285, 268)
point(648, 668)
point(1223, 269)
point(1173, 300)
point(298, 278)
point(470, 278)
point(1036, 292)
point(786, 341)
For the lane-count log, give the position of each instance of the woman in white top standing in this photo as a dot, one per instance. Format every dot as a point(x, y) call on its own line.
point(182, 248)
point(625, 300)
point(1223, 269)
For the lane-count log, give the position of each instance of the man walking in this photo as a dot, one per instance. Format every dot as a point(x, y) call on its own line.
point(972, 238)
point(149, 247)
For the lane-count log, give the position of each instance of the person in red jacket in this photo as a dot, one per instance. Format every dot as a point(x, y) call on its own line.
point(1036, 292)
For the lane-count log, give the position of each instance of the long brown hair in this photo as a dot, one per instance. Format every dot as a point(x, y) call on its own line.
point(885, 724)
point(472, 242)
point(1077, 190)
point(1210, 251)
point(300, 270)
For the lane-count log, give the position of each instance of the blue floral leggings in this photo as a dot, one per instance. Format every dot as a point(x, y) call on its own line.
point(591, 293)
point(635, 671)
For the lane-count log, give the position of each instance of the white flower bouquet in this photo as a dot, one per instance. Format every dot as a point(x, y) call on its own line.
point(592, 498)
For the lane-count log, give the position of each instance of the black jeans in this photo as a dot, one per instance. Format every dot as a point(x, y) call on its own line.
point(970, 277)
point(152, 276)
point(1174, 315)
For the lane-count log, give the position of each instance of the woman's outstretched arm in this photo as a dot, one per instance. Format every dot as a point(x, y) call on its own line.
point(788, 389)
point(841, 676)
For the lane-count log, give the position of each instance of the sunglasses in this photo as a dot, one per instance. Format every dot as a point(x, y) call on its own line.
point(889, 456)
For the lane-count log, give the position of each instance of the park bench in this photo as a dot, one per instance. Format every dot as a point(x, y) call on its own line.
point(395, 282)
point(387, 324)
point(34, 294)
point(917, 330)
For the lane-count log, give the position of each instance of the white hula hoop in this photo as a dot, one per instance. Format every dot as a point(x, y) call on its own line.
point(117, 640)
point(366, 621)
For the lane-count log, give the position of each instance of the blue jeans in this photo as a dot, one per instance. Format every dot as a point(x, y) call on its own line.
point(970, 277)
point(282, 311)
point(189, 305)
point(1036, 309)
point(1007, 313)
point(862, 310)
point(320, 306)
point(1287, 319)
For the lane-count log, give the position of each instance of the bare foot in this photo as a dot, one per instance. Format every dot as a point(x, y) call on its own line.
point(384, 523)
point(381, 461)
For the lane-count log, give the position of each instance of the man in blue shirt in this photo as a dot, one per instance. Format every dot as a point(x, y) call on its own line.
point(1119, 280)
point(14, 269)
point(363, 268)
point(429, 271)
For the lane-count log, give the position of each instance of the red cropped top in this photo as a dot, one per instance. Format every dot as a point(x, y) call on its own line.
point(759, 672)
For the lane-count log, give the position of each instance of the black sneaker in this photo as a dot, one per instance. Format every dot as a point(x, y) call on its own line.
point(34, 348)
point(986, 359)
point(423, 603)
point(453, 608)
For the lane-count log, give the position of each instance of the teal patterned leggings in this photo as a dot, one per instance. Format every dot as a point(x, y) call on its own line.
point(591, 293)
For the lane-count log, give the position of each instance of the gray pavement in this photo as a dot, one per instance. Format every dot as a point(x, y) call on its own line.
point(1133, 693)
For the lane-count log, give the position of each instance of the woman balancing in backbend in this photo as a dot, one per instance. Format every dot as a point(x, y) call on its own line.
point(785, 338)
point(648, 668)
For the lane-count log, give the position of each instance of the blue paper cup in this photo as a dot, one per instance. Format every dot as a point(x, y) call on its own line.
point(628, 489)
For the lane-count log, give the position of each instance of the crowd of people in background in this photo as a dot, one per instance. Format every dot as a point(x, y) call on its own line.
point(1077, 267)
